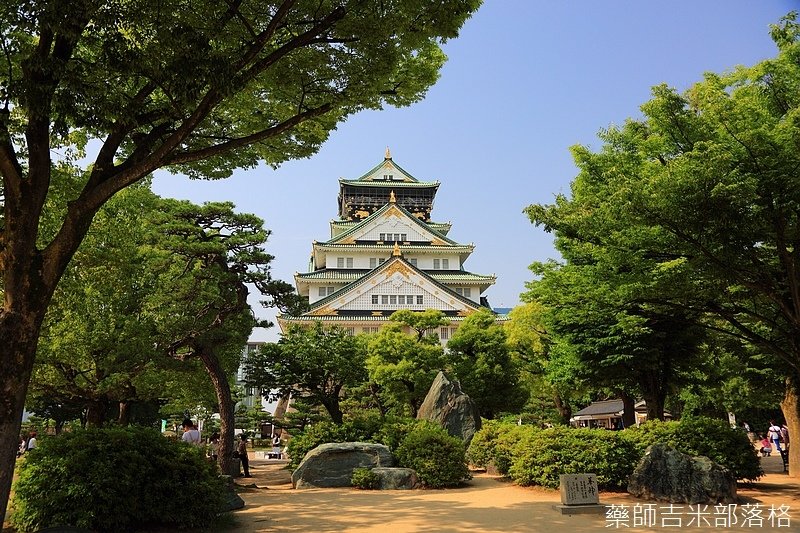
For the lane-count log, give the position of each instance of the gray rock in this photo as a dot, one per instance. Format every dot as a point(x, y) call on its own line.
point(231, 500)
point(668, 475)
point(332, 464)
point(396, 478)
point(447, 405)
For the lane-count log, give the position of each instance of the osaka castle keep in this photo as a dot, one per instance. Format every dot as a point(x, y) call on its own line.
point(385, 254)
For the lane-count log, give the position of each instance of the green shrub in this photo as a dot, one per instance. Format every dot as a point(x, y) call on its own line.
point(389, 431)
point(713, 438)
point(114, 480)
point(365, 478)
point(495, 442)
point(541, 456)
point(438, 458)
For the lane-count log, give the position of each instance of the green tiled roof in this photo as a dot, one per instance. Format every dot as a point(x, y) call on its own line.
point(380, 212)
point(403, 171)
point(331, 274)
point(390, 184)
point(458, 248)
point(441, 227)
point(353, 318)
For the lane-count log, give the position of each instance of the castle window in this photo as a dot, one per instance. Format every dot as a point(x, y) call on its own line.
point(325, 291)
point(384, 299)
point(375, 299)
point(393, 299)
point(340, 262)
point(419, 300)
point(413, 261)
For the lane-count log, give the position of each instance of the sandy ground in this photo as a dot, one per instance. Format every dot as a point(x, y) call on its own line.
point(485, 504)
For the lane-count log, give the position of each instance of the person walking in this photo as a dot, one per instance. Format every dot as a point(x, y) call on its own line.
point(774, 433)
point(242, 451)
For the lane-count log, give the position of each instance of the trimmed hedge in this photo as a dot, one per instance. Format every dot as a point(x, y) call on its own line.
point(116, 479)
point(538, 458)
point(713, 438)
point(531, 456)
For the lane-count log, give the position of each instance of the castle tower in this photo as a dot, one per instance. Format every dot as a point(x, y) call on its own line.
point(385, 254)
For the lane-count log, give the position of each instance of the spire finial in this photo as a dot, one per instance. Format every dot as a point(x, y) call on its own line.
point(388, 154)
point(392, 198)
point(396, 251)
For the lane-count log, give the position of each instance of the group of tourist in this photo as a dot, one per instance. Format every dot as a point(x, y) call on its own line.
point(191, 435)
point(26, 443)
point(775, 436)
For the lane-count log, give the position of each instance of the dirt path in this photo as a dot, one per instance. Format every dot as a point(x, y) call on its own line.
point(486, 504)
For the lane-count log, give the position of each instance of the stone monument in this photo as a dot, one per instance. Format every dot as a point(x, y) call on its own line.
point(579, 495)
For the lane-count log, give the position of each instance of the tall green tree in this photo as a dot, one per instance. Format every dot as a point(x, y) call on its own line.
point(208, 255)
point(155, 282)
point(535, 351)
point(702, 195)
point(480, 357)
point(200, 88)
point(315, 362)
point(403, 360)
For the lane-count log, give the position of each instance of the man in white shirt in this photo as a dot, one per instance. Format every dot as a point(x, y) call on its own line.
point(190, 433)
point(31, 441)
point(775, 435)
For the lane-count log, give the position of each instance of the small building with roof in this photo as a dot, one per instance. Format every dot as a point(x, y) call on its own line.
point(608, 414)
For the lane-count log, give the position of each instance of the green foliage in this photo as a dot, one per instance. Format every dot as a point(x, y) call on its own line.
point(315, 361)
point(361, 429)
point(438, 458)
point(402, 365)
point(116, 480)
point(687, 214)
point(365, 478)
point(729, 447)
point(481, 360)
point(531, 456)
point(541, 456)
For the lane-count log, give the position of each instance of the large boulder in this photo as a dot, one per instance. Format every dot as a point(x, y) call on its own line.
point(332, 464)
point(396, 478)
point(447, 405)
point(668, 475)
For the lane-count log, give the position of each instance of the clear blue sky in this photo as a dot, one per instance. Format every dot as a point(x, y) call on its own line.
point(525, 80)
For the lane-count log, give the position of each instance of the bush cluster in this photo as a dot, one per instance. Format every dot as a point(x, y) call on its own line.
point(365, 478)
point(531, 456)
point(438, 458)
point(116, 479)
point(713, 438)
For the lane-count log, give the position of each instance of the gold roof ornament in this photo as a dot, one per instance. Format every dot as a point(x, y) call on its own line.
point(396, 251)
point(392, 198)
point(388, 154)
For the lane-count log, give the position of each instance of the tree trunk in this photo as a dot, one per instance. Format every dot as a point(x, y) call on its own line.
point(331, 404)
point(123, 419)
point(282, 406)
point(628, 409)
point(790, 405)
point(96, 413)
point(19, 336)
point(563, 408)
point(222, 389)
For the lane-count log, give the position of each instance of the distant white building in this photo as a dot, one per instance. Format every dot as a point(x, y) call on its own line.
point(384, 254)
